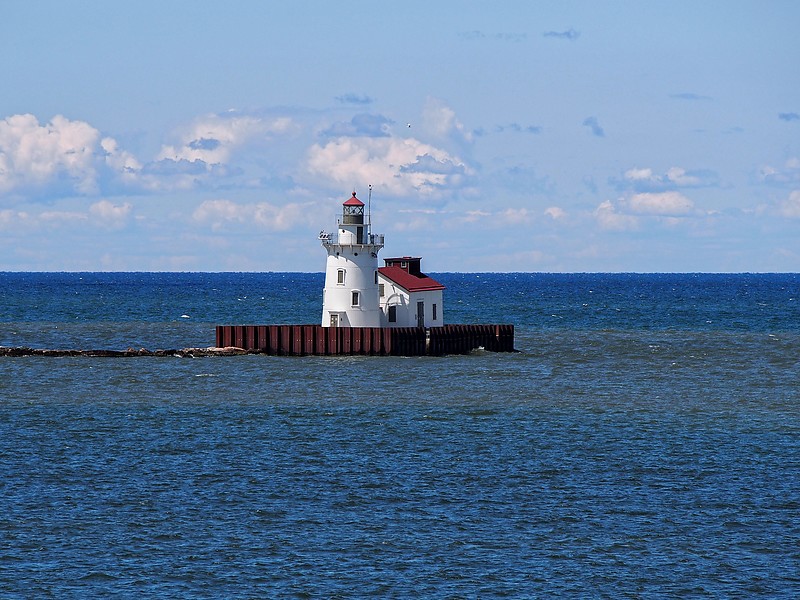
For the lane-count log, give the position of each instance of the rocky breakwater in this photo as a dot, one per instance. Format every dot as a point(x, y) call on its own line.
point(130, 352)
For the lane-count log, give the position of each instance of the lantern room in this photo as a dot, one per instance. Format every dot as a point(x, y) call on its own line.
point(353, 211)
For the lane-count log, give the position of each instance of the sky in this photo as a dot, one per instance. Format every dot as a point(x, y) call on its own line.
point(502, 136)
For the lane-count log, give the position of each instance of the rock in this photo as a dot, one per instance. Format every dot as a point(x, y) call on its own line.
point(130, 352)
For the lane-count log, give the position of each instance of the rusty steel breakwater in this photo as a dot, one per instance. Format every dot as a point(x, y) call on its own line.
point(315, 340)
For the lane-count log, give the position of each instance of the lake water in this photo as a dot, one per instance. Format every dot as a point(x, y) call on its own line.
point(644, 442)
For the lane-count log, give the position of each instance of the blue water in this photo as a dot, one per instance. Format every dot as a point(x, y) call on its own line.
point(644, 442)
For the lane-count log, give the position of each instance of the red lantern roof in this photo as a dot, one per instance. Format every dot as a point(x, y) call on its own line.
point(353, 201)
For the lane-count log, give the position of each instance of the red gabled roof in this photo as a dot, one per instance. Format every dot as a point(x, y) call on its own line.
point(353, 201)
point(411, 283)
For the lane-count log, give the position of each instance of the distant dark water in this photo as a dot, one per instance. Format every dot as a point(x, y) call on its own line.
point(645, 442)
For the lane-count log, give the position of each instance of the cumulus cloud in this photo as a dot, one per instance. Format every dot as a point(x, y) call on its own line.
point(627, 212)
point(213, 138)
point(441, 121)
point(594, 126)
point(219, 213)
point(608, 217)
point(645, 180)
point(439, 166)
point(120, 161)
point(66, 157)
point(400, 166)
point(34, 156)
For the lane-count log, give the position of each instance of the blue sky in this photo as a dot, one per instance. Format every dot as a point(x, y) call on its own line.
point(502, 136)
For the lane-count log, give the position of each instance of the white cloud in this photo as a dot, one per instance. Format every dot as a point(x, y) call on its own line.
point(609, 218)
point(60, 217)
point(627, 213)
point(671, 204)
point(213, 138)
point(791, 206)
point(34, 155)
point(515, 216)
point(556, 213)
point(474, 216)
point(121, 162)
point(12, 219)
point(104, 214)
point(788, 174)
point(639, 175)
point(646, 180)
point(440, 120)
point(110, 214)
point(681, 177)
point(65, 158)
point(218, 213)
point(399, 166)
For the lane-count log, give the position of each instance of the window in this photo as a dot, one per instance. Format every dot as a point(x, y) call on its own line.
point(392, 314)
point(434, 312)
point(376, 277)
point(340, 277)
point(355, 298)
point(381, 291)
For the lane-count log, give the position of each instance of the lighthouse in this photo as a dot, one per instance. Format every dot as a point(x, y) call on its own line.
point(392, 310)
point(350, 297)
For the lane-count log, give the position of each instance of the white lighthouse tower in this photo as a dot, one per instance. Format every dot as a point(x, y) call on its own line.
point(350, 297)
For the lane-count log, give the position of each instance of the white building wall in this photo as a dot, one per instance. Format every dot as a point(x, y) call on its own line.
point(406, 305)
point(359, 267)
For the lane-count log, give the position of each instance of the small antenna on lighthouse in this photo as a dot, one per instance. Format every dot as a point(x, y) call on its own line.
point(369, 211)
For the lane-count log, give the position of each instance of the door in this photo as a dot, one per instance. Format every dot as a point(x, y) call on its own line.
point(334, 320)
point(421, 314)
